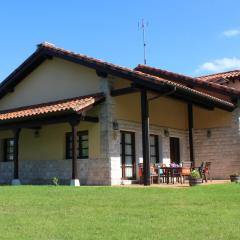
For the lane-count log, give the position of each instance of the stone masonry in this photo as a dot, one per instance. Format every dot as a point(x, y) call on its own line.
point(221, 147)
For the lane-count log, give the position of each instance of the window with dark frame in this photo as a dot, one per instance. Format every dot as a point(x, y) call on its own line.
point(82, 145)
point(154, 149)
point(8, 149)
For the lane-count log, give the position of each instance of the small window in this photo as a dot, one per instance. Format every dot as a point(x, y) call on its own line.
point(154, 150)
point(82, 145)
point(8, 149)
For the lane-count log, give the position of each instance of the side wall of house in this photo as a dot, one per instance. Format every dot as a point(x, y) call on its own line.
point(220, 146)
point(53, 80)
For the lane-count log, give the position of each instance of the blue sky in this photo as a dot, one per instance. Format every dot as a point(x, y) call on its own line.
point(188, 36)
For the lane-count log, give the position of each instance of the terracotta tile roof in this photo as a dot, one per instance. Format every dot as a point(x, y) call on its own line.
point(76, 105)
point(188, 81)
point(222, 78)
point(139, 78)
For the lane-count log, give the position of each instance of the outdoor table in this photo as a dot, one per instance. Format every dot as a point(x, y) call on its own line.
point(169, 172)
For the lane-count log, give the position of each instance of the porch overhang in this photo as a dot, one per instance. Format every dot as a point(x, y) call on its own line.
point(50, 113)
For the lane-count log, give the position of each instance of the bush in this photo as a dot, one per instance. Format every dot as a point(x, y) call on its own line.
point(55, 181)
point(195, 174)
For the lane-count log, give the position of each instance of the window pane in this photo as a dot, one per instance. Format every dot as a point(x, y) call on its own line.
point(128, 149)
point(128, 160)
point(128, 138)
point(84, 137)
point(85, 152)
point(84, 144)
point(152, 140)
point(129, 172)
point(10, 157)
point(153, 151)
point(153, 159)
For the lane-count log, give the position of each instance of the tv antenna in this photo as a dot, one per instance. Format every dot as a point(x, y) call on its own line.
point(142, 26)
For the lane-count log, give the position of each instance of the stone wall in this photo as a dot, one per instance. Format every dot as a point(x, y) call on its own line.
point(219, 146)
point(91, 171)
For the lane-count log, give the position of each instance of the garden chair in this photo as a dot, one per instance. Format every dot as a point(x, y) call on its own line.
point(161, 174)
point(153, 173)
point(205, 171)
point(140, 172)
point(185, 171)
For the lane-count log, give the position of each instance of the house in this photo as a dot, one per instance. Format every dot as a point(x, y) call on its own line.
point(77, 118)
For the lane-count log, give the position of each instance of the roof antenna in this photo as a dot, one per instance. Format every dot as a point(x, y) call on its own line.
point(142, 26)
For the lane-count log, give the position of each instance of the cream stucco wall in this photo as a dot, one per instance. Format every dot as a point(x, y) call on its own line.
point(166, 111)
point(52, 80)
point(51, 143)
point(163, 111)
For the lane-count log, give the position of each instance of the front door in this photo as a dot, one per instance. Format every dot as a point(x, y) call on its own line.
point(175, 150)
point(128, 159)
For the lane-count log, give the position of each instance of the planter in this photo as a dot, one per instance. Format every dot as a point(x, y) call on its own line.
point(195, 181)
point(235, 178)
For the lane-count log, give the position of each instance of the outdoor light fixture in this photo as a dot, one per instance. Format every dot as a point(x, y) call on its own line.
point(115, 125)
point(166, 133)
point(36, 133)
point(209, 133)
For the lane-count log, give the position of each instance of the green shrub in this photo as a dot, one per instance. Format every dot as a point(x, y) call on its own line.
point(195, 174)
point(55, 181)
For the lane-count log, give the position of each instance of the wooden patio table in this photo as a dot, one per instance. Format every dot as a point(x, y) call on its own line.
point(169, 172)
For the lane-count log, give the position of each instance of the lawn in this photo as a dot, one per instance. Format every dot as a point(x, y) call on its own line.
point(49, 212)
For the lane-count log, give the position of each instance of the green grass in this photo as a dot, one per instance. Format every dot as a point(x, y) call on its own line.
point(48, 212)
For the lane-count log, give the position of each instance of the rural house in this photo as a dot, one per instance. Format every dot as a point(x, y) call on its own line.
point(89, 122)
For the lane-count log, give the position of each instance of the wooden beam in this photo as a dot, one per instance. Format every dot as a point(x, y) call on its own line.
point(123, 91)
point(190, 132)
point(74, 124)
point(145, 137)
point(15, 153)
point(101, 74)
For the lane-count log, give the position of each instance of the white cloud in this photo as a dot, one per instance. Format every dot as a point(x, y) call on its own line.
point(220, 65)
point(231, 33)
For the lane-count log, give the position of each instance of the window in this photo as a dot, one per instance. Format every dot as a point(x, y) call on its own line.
point(82, 145)
point(154, 149)
point(128, 155)
point(8, 149)
point(175, 150)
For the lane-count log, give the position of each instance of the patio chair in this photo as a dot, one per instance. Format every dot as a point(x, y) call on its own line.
point(161, 174)
point(140, 172)
point(205, 171)
point(185, 170)
point(176, 173)
point(153, 173)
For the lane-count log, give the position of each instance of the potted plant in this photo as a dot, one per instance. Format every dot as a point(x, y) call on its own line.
point(235, 177)
point(195, 178)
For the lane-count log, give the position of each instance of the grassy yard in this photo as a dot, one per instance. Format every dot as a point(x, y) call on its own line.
point(48, 212)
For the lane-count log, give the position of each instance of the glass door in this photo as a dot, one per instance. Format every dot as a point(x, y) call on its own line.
point(128, 160)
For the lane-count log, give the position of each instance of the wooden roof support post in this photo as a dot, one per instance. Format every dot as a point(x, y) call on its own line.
point(16, 180)
point(190, 133)
point(75, 176)
point(145, 137)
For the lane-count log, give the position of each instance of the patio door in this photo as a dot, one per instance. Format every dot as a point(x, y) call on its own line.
point(128, 159)
point(175, 150)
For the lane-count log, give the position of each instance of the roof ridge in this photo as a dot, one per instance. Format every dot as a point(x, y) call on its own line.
point(219, 73)
point(209, 83)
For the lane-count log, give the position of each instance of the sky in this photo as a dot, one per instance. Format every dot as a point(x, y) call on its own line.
point(193, 37)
